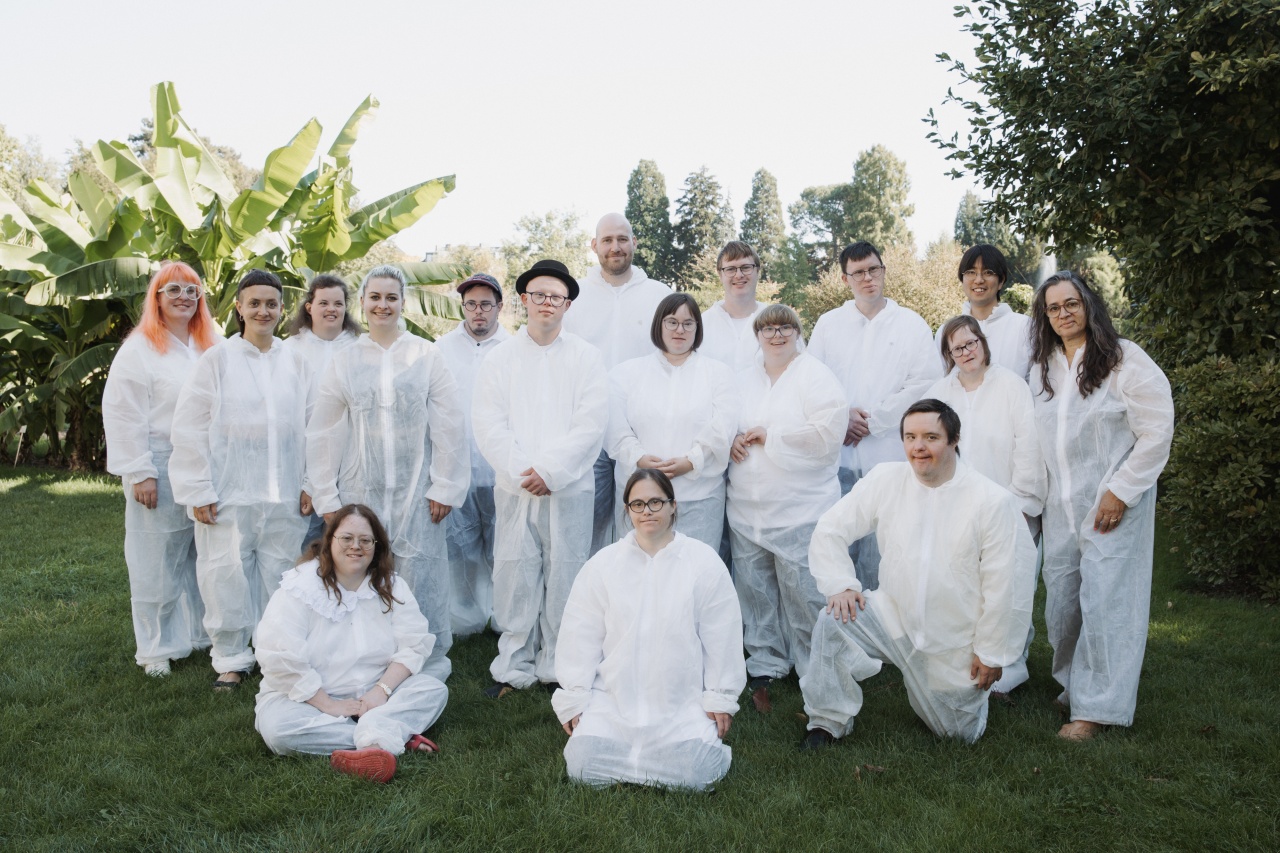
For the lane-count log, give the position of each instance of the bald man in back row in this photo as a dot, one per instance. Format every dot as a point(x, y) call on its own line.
point(613, 312)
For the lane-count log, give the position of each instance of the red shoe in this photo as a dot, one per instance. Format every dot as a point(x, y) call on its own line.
point(372, 763)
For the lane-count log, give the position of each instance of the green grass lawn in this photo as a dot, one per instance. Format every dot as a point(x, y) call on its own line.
point(97, 756)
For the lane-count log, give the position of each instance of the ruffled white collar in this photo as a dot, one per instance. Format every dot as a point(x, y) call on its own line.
point(304, 584)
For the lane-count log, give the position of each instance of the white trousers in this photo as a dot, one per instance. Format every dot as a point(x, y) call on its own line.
point(288, 726)
point(470, 533)
point(844, 653)
point(689, 764)
point(778, 595)
point(239, 563)
point(540, 545)
point(160, 551)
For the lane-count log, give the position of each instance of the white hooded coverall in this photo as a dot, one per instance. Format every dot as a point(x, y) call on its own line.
point(1008, 336)
point(730, 341)
point(545, 408)
point(660, 409)
point(159, 544)
point(387, 432)
point(954, 585)
point(238, 442)
point(649, 646)
point(471, 525)
point(1098, 585)
point(775, 497)
point(309, 640)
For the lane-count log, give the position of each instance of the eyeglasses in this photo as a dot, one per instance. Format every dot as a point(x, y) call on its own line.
point(963, 349)
point(671, 324)
point(771, 332)
point(653, 505)
point(868, 273)
point(346, 540)
point(745, 269)
point(1071, 306)
point(973, 275)
point(177, 291)
point(537, 297)
point(485, 307)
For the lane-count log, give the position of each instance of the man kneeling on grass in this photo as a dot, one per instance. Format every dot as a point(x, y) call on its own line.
point(953, 605)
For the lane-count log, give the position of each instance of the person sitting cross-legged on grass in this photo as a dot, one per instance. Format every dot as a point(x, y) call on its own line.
point(341, 645)
point(650, 656)
point(954, 600)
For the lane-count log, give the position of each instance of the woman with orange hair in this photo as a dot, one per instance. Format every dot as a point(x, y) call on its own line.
point(137, 410)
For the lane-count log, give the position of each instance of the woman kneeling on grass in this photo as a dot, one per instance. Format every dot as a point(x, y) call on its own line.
point(650, 654)
point(340, 647)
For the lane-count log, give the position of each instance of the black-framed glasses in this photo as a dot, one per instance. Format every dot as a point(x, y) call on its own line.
point(485, 307)
point(177, 291)
point(868, 273)
point(963, 349)
point(745, 269)
point(671, 324)
point(537, 297)
point(771, 332)
point(653, 505)
point(346, 540)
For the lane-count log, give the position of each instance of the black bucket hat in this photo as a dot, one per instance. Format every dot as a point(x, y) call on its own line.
point(551, 268)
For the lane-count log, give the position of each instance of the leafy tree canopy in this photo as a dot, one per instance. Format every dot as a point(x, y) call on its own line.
point(762, 223)
point(649, 212)
point(700, 219)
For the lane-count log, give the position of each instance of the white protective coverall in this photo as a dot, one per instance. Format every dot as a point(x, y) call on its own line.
point(668, 411)
point(885, 365)
point(954, 585)
point(238, 442)
point(159, 544)
point(1008, 337)
point(309, 640)
point(470, 526)
point(387, 432)
point(999, 440)
point(1098, 586)
point(775, 498)
point(316, 353)
point(730, 341)
point(648, 646)
point(616, 321)
point(543, 408)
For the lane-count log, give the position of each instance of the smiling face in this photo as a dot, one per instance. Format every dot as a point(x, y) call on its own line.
point(351, 560)
point(1066, 312)
point(981, 286)
point(328, 310)
point(679, 340)
point(931, 456)
point(784, 343)
point(966, 349)
point(648, 521)
point(382, 303)
point(178, 311)
point(259, 307)
point(614, 244)
point(738, 280)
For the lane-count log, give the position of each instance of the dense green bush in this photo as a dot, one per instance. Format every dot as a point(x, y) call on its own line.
point(1219, 489)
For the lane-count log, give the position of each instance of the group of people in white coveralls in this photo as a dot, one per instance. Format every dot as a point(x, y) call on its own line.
point(655, 507)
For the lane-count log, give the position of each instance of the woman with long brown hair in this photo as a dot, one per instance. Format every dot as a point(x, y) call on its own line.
point(341, 646)
point(1104, 412)
point(137, 410)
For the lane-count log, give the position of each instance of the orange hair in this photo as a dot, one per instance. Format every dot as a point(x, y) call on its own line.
point(151, 324)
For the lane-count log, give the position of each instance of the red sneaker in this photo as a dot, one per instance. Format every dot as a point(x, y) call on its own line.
point(372, 763)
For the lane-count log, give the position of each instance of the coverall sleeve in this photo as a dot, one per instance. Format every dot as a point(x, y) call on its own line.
point(815, 443)
point(568, 459)
point(580, 647)
point(491, 422)
point(724, 672)
point(191, 465)
point(709, 453)
point(126, 413)
point(280, 645)
point(327, 436)
point(1030, 475)
point(450, 451)
point(852, 517)
point(1149, 409)
point(1006, 584)
point(620, 439)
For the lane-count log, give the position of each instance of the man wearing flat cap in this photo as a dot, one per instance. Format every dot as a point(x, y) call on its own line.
point(539, 414)
point(471, 525)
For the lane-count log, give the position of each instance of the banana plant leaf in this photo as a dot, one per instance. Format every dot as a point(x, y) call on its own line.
point(422, 272)
point(114, 277)
point(172, 131)
point(33, 259)
point(9, 210)
point(74, 372)
point(254, 207)
point(122, 168)
point(340, 150)
point(430, 304)
point(95, 204)
point(389, 216)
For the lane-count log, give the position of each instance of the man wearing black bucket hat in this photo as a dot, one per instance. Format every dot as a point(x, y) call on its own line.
point(539, 415)
point(471, 525)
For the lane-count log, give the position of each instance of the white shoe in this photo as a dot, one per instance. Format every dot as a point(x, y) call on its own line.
point(158, 670)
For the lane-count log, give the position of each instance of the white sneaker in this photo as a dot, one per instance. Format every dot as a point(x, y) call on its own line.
point(158, 670)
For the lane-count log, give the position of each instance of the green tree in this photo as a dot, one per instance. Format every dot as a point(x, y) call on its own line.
point(762, 223)
point(20, 164)
point(975, 224)
point(556, 235)
point(649, 212)
point(700, 222)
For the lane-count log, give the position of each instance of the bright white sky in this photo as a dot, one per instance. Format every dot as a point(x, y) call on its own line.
point(533, 105)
